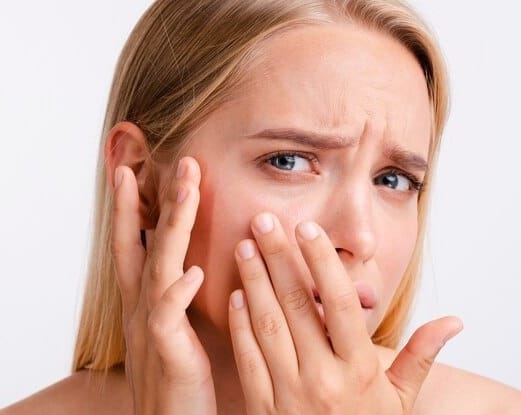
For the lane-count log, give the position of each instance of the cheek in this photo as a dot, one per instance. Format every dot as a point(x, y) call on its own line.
point(217, 230)
point(223, 219)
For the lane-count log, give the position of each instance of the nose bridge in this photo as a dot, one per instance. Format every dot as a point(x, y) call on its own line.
point(349, 220)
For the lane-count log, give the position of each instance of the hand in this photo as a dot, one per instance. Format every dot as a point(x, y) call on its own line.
point(166, 365)
point(286, 361)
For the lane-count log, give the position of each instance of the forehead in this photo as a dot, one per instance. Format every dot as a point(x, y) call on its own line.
point(338, 79)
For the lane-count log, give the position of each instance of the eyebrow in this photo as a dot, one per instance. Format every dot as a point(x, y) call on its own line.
point(405, 158)
point(392, 151)
point(309, 138)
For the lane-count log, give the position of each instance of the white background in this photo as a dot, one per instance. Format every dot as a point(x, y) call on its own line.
point(57, 60)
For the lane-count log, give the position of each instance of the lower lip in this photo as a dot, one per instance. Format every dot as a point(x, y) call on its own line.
point(320, 308)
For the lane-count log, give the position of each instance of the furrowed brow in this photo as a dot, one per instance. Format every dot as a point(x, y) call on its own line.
point(405, 158)
point(392, 151)
point(309, 138)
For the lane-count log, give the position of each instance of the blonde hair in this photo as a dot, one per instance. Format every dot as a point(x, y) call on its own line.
point(180, 63)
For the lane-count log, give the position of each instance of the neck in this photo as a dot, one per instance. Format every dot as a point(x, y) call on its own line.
point(218, 346)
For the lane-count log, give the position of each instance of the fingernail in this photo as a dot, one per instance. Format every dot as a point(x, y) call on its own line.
point(307, 230)
point(246, 250)
point(181, 195)
point(181, 169)
point(263, 223)
point(193, 274)
point(456, 330)
point(237, 300)
point(119, 177)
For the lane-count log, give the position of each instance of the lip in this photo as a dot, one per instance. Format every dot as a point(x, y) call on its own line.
point(366, 295)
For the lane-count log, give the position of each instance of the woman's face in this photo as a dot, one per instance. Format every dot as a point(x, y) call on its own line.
point(331, 126)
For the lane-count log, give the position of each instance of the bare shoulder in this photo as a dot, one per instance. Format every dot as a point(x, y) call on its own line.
point(448, 390)
point(84, 392)
point(451, 390)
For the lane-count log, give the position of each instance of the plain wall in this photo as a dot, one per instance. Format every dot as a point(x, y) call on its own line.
point(58, 59)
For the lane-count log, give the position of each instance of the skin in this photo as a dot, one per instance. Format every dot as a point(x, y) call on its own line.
point(192, 347)
point(384, 101)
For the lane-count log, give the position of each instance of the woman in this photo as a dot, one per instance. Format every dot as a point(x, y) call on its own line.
point(303, 136)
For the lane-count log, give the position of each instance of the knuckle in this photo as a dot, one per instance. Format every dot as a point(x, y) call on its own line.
point(169, 297)
point(156, 268)
point(249, 362)
point(268, 324)
point(239, 327)
point(187, 379)
point(329, 395)
point(254, 273)
point(116, 249)
point(179, 224)
point(156, 327)
point(122, 250)
point(275, 249)
point(177, 219)
point(118, 208)
point(424, 362)
point(345, 300)
point(297, 300)
point(320, 255)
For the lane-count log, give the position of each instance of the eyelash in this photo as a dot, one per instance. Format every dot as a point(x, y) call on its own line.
point(416, 183)
point(309, 157)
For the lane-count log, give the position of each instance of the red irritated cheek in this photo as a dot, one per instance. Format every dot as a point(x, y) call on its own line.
point(226, 210)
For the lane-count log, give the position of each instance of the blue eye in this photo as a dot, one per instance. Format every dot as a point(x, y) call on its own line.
point(398, 181)
point(290, 162)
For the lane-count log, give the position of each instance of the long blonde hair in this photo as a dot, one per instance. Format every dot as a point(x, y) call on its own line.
point(180, 63)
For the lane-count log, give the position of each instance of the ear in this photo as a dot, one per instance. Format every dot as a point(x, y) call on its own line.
point(126, 145)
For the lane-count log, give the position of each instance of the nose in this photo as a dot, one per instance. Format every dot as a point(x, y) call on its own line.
point(348, 219)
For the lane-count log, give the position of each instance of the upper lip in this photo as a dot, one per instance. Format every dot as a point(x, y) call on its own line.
point(366, 294)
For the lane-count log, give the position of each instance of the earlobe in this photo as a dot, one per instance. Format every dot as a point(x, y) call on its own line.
point(126, 145)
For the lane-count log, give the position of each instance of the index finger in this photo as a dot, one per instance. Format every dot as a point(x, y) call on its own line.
point(342, 309)
point(127, 250)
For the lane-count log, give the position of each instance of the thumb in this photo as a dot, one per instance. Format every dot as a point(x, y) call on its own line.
point(410, 368)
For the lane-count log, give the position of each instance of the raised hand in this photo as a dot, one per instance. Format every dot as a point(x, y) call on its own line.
point(166, 365)
point(287, 362)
